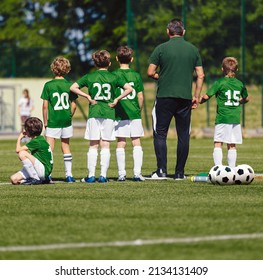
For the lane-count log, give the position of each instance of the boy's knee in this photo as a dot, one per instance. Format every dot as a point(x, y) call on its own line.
point(13, 180)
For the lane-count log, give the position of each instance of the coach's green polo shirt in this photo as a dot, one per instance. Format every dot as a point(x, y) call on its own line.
point(177, 60)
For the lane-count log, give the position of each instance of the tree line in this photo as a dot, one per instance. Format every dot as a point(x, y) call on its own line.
point(33, 32)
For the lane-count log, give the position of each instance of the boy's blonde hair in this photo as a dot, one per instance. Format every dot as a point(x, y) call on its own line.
point(229, 66)
point(101, 59)
point(60, 66)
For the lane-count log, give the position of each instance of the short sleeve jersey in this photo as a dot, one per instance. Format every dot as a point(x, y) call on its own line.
point(128, 108)
point(177, 60)
point(41, 150)
point(228, 92)
point(102, 86)
point(57, 93)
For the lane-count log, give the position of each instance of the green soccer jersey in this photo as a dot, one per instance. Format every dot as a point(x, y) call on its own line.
point(41, 150)
point(57, 93)
point(228, 92)
point(177, 60)
point(102, 86)
point(128, 108)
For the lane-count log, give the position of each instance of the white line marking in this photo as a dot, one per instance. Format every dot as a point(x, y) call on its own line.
point(138, 242)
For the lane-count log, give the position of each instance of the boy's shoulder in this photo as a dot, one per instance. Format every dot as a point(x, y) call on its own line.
point(57, 81)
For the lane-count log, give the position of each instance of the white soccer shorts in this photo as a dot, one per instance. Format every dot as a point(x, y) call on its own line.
point(98, 128)
point(39, 167)
point(129, 128)
point(228, 133)
point(57, 133)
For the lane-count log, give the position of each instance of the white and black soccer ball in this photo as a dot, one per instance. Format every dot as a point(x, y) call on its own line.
point(225, 175)
point(212, 173)
point(244, 174)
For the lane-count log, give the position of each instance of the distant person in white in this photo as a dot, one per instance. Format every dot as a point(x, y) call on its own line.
point(25, 107)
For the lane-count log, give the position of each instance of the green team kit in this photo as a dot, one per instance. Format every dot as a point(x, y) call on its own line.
point(58, 94)
point(228, 92)
point(102, 86)
point(128, 108)
point(41, 150)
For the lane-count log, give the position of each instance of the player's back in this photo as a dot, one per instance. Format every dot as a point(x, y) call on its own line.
point(128, 108)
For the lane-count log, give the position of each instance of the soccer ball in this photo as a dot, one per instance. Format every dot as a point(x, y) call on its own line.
point(244, 174)
point(212, 173)
point(225, 175)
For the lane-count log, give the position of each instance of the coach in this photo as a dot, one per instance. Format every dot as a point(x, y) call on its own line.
point(177, 60)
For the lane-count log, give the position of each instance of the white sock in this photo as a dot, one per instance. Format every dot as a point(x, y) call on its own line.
point(218, 156)
point(104, 162)
point(232, 157)
point(68, 164)
point(137, 159)
point(120, 155)
point(92, 156)
point(30, 169)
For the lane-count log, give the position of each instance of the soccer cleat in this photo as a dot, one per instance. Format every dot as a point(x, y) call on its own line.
point(179, 176)
point(102, 179)
point(48, 180)
point(91, 179)
point(121, 178)
point(32, 181)
point(138, 178)
point(157, 175)
point(70, 179)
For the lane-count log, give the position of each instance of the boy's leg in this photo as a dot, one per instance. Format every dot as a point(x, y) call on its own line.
point(92, 156)
point(104, 157)
point(137, 156)
point(120, 156)
point(67, 156)
point(231, 155)
point(17, 178)
point(218, 153)
point(28, 162)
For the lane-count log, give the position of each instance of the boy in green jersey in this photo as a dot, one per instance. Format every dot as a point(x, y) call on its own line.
point(38, 164)
point(59, 105)
point(128, 115)
point(101, 86)
point(230, 93)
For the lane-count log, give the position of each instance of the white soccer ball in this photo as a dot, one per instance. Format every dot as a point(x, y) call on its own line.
point(212, 173)
point(225, 175)
point(244, 174)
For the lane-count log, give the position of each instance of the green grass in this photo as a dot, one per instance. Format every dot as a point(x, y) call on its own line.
point(126, 211)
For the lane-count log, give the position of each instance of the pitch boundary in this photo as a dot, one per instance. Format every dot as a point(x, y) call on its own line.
point(138, 242)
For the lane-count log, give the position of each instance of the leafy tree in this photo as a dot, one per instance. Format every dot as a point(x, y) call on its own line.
point(39, 30)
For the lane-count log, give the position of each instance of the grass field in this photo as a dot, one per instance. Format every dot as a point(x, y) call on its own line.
point(179, 219)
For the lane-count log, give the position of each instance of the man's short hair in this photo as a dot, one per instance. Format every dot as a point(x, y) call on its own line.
point(101, 58)
point(176, 27)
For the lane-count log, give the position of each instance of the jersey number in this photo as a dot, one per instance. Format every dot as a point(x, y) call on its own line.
point(104, 88)
point(232, 98)
point(132, 94)
point(62, 102)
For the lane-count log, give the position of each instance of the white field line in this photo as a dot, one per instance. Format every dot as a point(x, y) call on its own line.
point(138, 242)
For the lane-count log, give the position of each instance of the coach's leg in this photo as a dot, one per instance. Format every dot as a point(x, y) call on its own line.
point(161, 116)
point(183, 122)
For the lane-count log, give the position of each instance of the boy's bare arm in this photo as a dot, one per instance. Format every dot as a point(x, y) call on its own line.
point(140, 99)
point(44, 112)
point(20, 148)
point(73, 107)
point(204, 98)
point(75, 88)
point(127, 90)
